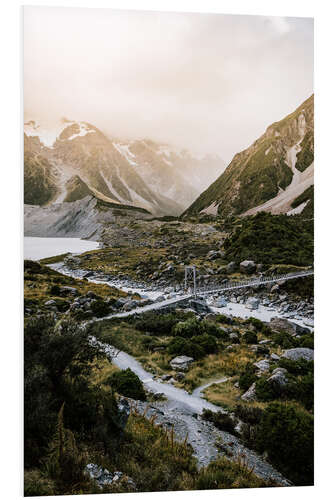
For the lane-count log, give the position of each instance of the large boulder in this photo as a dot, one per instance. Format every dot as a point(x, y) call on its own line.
point(247, 266)
point(200, 306)
point(262, 365)
point(284, 325)
point(299, 353)
point(252, 303)
point(181, 363)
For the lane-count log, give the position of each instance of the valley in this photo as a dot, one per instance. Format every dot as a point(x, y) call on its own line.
point(210, 391)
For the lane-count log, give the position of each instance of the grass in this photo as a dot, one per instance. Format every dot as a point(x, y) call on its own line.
point(226, 395)
point(38, 283)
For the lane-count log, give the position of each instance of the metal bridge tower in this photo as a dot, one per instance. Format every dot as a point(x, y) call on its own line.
point(191, 275)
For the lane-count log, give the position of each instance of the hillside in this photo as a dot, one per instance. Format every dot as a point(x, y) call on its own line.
point(270, 174)
point(79, 159)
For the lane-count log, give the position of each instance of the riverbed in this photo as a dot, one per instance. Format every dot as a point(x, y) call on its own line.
point(41, 248)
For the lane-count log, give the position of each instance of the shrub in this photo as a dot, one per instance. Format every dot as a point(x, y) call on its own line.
point(158, 324)
point(250, 337)
point(249, 414)
point(37, 484)
point(188, 328)
point(127, 383)
point(285, 340)
point(207, 342)
point(99, 308)
point(267, 391)
point(285, 432)
point(247, 377)
point(184, 347)
point(221, 420)
point(211, 328)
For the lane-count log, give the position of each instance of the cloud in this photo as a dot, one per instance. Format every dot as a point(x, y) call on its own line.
point(207, 82)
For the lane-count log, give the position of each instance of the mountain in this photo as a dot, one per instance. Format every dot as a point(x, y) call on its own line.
point(78, 159)
point(270, 175)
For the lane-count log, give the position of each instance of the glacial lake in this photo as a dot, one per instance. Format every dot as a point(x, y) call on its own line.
point(40, 248)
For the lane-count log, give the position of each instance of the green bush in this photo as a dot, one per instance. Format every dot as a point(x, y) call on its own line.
point(285, 340)
point(180, 346)
point(188, 328)
point(207, 342)
point(250, 337)
point(100, 308)
point(247, 377)
point(221, 420)
point(267, 391)
point(286, 433)
point(127, 383)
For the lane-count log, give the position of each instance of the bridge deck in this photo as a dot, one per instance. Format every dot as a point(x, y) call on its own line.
point(206, 291)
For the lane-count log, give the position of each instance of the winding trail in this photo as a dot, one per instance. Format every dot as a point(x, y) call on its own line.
point(182, 410)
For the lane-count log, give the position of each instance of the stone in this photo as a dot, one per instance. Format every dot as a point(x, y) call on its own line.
point(285, 325)
point(265, 341)
point(231, 267)
point(181, 363)
point(247, 266)
point(275, 357)
point(123, 412)
point(250, 394)
point(252, 303)
point(200, 306)
point(274, 288)
point(279, 377)
point(299, 353)
point(180, 376)
point(50, 303)
point(68, 290)
point(220, 302)
point(262, 365)
point(166, 377)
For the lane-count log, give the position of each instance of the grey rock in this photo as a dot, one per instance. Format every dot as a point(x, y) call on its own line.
point(181, 363)
point(262, 365)
point(50, 303)
point(279, 377)
point(247, 266)
point(253, 303)
point(299, 353)
point(275, 357)
point(231, 267)
point(250, 394)
point(282, 324)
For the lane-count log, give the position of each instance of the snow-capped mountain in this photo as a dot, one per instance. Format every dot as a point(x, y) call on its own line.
point(275, 174)
point(75, 159)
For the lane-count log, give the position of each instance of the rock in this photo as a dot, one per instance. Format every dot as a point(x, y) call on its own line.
point(50, 303)
point(275, 357)
point(299, 353)
point(220, 302)
point(181, 363)
point(91, 295)
point(247, 266)
point(68, 290)
point(103, 477)
point(262, 365)
point(252, 303)
point(250, 394)
point(123, 412)
point(265, 341)
point(260, 267)
point(166, 377)
point(279, 377)
point(282, 324)
point(200, 306)
point(275, 288)
point(160, 298)
point(179, 376)
point(231, 267)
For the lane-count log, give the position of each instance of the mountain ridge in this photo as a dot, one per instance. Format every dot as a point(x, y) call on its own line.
point(265, 169)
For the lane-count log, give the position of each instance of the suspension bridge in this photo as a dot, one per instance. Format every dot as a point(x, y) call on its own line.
point(192, 291)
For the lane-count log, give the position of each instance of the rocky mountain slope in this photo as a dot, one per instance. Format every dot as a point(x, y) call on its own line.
point(79, 160)
point(83, 218)
point(269, 175)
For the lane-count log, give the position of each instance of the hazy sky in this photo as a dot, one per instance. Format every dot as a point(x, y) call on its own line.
point(211, 83)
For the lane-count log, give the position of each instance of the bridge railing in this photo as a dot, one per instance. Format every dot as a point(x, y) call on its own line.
point(253, 282)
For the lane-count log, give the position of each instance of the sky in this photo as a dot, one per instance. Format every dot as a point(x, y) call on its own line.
point(209, 83)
